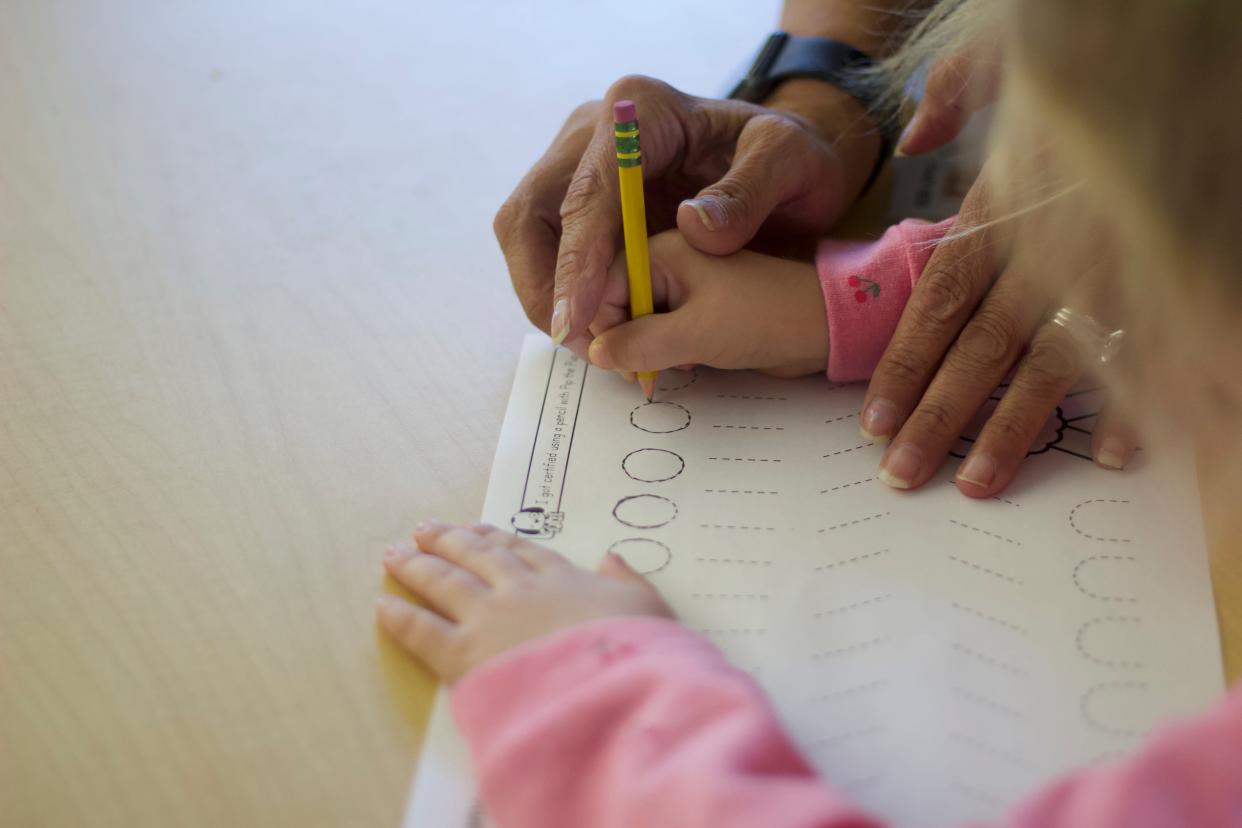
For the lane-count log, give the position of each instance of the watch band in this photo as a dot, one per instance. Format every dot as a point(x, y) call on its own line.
point(785, 56)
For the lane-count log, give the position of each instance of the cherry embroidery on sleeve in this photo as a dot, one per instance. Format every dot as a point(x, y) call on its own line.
point(864, 288)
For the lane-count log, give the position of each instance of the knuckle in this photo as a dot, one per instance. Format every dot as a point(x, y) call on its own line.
point(585, 189)
point(1008, 430)
point(936, 418)
point(635, 87)
point(990, 339)
point(904, 366)
point(585, 113)
point(943, 294)
point(506, 219)
point(1051, 363)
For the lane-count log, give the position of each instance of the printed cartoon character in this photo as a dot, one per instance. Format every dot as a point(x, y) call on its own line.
point(535, 522)
point(1068, 430)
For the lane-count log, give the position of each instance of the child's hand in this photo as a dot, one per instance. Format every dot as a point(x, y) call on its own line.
point(489, 591)
point(745, 310)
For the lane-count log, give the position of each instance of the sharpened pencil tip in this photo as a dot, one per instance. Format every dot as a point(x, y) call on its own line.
point(648, 386)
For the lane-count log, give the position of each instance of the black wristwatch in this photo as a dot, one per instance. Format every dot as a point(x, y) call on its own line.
point(784, 56)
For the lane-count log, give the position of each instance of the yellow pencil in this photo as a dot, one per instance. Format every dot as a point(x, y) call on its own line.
point(634, 220)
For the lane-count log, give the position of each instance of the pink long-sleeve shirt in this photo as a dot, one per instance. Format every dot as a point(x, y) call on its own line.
point(640, 723)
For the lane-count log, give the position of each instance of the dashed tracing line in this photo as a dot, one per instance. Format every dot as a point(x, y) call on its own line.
point(749, 397)
point(1090, 536)
point(989, 704)
point(855, 522)
point(742, 596)
point(845, 692)
point(846, 451)
point(989, 660)
point(694, 377)
point(994, 497)
point(977, 793)
point(849, 648)
point(1001, 621)
point(826, 741)
point(751, 428)
point(854, 559)
point(1084, 705)
point(990, 750)
point(739, 561)
point(1118, 663)
point(741, 491)
point(847, 485)
point(735, 631)
point(985, 532)
point(873, 600)
point(746, 459)
point(985, 570)
point(1121, 599)
point(737, 527)
point(839, 419)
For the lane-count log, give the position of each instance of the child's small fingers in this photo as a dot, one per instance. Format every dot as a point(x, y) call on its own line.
point(449, 588)
point(419, 631)
point(469, 548)
point(539, 557)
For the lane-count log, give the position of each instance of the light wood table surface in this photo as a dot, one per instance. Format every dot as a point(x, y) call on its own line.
point(253, 325)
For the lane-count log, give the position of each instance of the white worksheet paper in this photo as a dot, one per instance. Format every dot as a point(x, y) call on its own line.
point(936, 657)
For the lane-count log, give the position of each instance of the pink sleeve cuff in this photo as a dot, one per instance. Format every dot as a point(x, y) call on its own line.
point(866, 286)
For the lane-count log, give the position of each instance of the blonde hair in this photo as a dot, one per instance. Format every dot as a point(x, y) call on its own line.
point(1112, 152)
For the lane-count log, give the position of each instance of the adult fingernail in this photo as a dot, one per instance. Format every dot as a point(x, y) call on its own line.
point(560, 321)
point(909, 130)
point(901, 466)
point(979, 470)
point(878, 421)
point(1112, 454)
point(599, 356)
point(709, 210)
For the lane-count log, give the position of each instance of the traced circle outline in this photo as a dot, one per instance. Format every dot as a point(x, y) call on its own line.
point(694, 377)
point(640, 406)
point(680, 459)
point(644, 525)
point(668, 553)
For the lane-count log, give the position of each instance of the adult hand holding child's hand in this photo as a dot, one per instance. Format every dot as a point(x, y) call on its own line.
point(721, 171)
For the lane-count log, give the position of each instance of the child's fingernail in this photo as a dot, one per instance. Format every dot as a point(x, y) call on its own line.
point(901, 467)
point(599, 356)
point(560, 321)
point(709, 211)
point(386, 602)
point(398, 550)
point(1112, 453)
point(629, 376)
point(979, 470)
point(878, 421)
point(428, 525)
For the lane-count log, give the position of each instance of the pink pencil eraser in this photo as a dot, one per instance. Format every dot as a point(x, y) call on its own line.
point(624, 111)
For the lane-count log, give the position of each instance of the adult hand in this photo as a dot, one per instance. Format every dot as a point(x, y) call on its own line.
point(963, 330)
point(790, 168)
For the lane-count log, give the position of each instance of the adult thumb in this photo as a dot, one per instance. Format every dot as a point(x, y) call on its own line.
point(648, 343)
point(725, 216)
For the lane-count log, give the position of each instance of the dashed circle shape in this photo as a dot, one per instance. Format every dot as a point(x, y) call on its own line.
point(675, 379)
point(645, 511)
point(643, 554)
point(652, 465)
point(660, 417)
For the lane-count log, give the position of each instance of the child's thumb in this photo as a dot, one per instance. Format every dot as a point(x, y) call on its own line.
point(649, 343)
point(616, 567)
